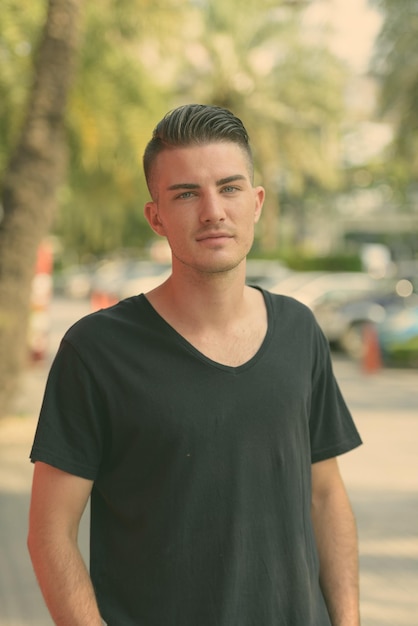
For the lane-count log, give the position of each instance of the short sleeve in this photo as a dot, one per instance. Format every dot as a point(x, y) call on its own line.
point(71, 431)
point(332, 428)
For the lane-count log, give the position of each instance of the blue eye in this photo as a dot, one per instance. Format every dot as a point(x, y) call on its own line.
point(185, 195)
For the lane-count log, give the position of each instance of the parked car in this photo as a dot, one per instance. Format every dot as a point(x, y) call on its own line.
point(320, 290)
point(121, 278)
point(75, 281)
point(265, 273)
point(295, 283)
point(344, 322)
point(317, 288)
point(398, 335)
point(326, 294)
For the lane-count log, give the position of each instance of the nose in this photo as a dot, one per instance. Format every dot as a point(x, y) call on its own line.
point(211, 209)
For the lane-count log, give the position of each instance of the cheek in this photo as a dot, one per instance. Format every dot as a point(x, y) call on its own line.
point(176, 234)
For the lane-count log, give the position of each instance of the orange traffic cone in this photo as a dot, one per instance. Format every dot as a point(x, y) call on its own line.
point(372, 357)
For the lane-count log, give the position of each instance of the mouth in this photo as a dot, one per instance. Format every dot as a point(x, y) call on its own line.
point(213, 236)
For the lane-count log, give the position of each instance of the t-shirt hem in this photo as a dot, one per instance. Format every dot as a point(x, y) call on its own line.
point(70, 467)
point(342, 448)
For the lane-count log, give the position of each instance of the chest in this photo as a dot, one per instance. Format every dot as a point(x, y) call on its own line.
point(231, 347)
point(172, 396)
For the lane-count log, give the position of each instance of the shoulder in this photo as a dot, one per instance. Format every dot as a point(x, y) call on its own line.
point(106, 338)
point(286, 306)
point(106, 323)
point(295, 322)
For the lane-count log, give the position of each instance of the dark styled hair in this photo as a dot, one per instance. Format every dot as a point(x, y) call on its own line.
point(195, 124)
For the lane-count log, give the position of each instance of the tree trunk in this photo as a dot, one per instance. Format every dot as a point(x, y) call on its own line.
point(30, 183)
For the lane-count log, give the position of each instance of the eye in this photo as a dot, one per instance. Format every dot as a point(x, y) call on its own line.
point(185, 195)
point(230, 189)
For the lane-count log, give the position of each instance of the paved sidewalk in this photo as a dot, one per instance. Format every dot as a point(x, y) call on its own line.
point(382, 479)
point(381, 476)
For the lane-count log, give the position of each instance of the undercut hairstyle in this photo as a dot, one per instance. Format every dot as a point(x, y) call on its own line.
point(194, 125)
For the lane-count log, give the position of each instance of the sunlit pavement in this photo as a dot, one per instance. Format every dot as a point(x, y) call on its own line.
point(381, 476)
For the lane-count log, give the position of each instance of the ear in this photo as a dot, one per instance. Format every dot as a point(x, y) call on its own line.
point(153, 218)
point(259, 193)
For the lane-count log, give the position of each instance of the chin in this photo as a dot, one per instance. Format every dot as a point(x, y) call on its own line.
point(215, 262)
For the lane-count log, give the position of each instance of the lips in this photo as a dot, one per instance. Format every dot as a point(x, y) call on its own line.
point(213, 235)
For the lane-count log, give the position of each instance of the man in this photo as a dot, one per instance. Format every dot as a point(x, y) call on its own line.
point(203, 419)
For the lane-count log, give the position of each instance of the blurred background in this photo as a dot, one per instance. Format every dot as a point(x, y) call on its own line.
point(328, 90)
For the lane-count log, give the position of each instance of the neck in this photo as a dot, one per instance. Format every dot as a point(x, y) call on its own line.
point(218, 314)
point(202, 299)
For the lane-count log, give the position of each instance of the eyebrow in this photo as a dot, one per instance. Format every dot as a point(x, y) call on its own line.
point(219, 183)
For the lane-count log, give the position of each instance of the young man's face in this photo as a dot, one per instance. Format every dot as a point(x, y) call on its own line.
point(205, 204)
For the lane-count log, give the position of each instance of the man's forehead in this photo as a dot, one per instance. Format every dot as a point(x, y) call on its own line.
point(187, 164)
point(227, 158)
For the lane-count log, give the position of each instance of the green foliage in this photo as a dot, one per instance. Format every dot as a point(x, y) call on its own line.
point(20, 30)
point(396, 66)
point(334, 263)
point(289, 91)
point(402, 354)
point(306, 263)
point(141, 58)
point(260, 64)
point(113, 110)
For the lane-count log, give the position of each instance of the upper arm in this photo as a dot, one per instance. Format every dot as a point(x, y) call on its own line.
point(58, 501)
point(329, 495)
point(326, 479)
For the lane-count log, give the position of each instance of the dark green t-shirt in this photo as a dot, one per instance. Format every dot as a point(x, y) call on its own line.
point(200, 510)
